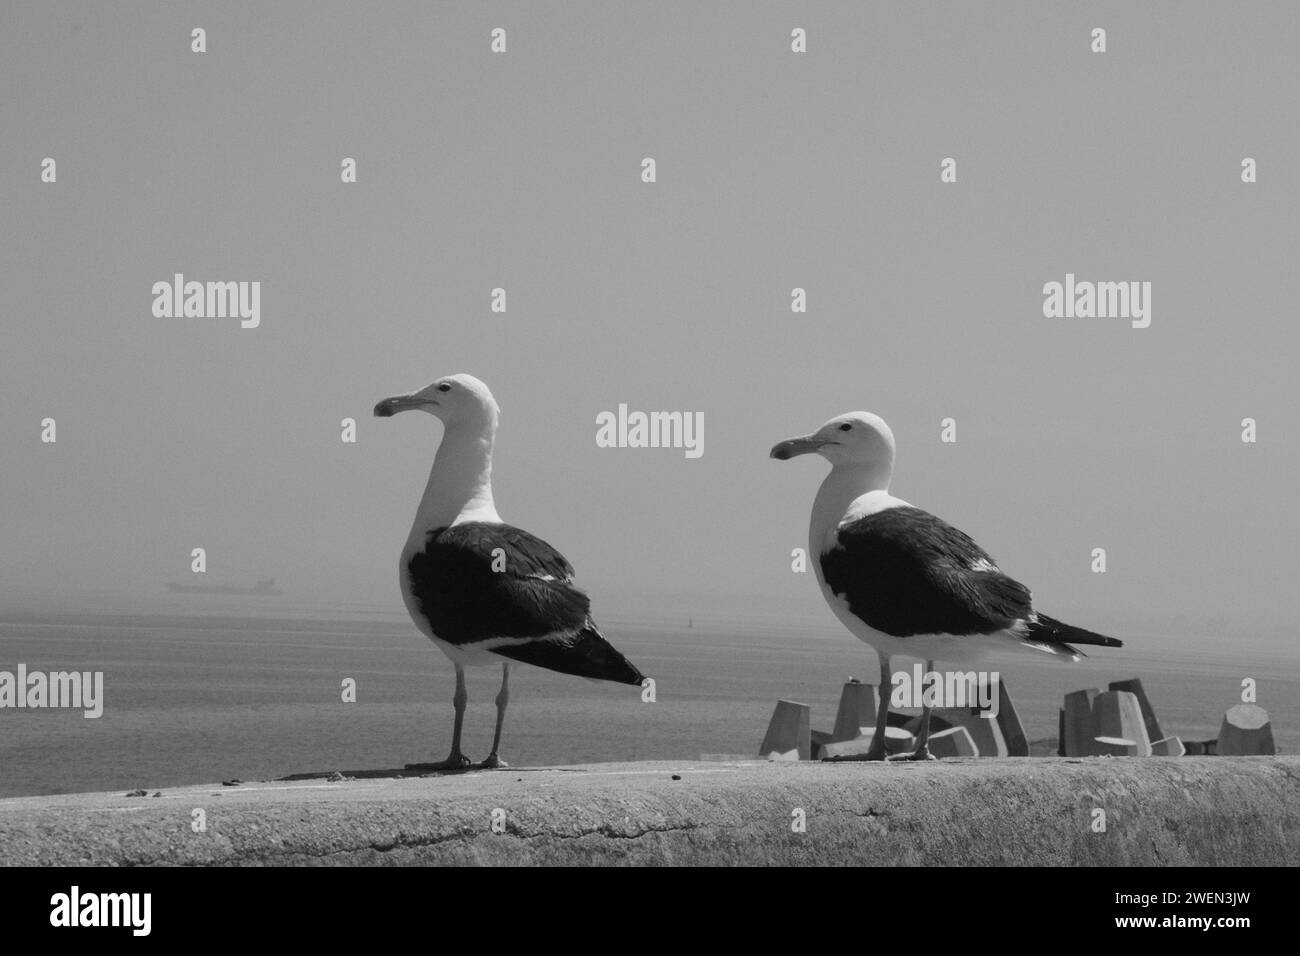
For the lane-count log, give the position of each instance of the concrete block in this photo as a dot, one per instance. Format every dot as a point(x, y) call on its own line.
point(897, 740)
point(1169, 747)
point(985, 732)
point(1078, 731)
point(859, 704)
point(953, 742)
point(1246, 731)
point(789, 735)
point(1013, 732)
point(818, 739)
point(1118, 727)
point(1134, 686)
point(1001, 736)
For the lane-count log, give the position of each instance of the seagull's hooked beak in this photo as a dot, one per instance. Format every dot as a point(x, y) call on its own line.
point(400, 403)
point(784, 451)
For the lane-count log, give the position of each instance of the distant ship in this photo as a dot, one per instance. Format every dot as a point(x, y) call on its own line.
point(265, 588)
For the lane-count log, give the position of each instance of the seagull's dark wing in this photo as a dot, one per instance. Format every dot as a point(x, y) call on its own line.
point(483, 581)
point(477, 581)
point(905, 572)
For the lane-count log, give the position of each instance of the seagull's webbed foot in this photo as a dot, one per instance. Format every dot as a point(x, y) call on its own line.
point(456, 761)
point(492, 762)
point(920, 753)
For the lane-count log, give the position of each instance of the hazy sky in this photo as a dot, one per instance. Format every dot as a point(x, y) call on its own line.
point(775, 170)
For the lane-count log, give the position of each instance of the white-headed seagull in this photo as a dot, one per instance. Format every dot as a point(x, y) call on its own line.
point(483, 591)
point(904, 581)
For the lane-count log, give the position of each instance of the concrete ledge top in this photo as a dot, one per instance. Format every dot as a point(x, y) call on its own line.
point(1026, 811)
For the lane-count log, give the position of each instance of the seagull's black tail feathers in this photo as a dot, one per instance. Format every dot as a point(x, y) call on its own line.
point(583, 653)
point(1049, 631)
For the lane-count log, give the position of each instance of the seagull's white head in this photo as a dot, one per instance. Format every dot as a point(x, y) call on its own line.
point(460, 401)
point(855, 439)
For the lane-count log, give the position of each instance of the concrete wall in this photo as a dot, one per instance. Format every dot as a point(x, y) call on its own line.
point(1028, 811)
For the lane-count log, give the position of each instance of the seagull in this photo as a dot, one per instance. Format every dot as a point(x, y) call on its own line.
point(906, 582)
point(484, 591)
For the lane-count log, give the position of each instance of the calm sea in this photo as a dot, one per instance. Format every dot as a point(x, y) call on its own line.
point(197, 700)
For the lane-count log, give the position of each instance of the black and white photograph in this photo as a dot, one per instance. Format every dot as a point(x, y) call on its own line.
point(632, 435)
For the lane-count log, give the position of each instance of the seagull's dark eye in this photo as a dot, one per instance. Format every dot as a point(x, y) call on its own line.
point(845, 427)
point(444, 387)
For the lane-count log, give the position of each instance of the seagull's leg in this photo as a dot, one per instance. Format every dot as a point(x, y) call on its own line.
point(922, 751)
point(455, 760)
point(458, 700)
point(877, 749)
point(503, 698)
